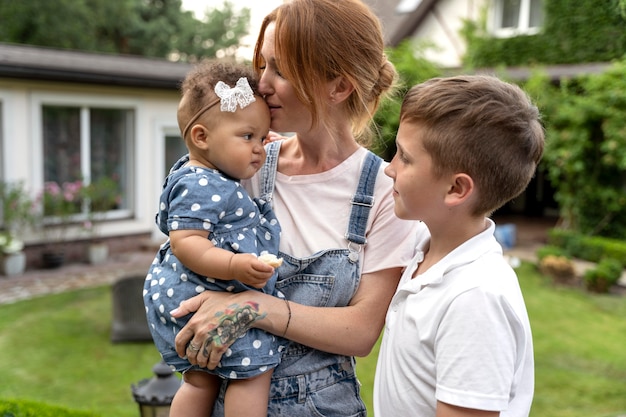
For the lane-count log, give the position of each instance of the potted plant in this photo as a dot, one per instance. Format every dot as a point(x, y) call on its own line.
point(17, 216)
point(100, 196)
point(60, 204)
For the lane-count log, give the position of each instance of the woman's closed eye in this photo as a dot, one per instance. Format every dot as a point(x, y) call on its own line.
point(276, 71)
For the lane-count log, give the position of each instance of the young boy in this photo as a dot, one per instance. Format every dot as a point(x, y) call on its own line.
point(457, 339)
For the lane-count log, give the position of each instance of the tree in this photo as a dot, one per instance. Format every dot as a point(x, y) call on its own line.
point(154, 28)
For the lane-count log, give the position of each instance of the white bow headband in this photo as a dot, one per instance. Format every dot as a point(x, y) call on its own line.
point(241, 94)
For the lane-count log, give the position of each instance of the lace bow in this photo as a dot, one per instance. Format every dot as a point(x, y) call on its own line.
point(240, 94)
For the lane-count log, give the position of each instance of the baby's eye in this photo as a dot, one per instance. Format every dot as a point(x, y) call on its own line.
point(248, 136)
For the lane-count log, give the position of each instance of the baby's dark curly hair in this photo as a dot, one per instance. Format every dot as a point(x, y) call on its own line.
point(200, 81)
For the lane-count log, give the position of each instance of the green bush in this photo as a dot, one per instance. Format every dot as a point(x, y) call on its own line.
point(550, 250)
point(27, 408)
point(585, 154)
point(606, 274)
point(588, 248)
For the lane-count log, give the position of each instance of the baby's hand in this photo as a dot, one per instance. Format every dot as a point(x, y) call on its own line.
point(247, 268)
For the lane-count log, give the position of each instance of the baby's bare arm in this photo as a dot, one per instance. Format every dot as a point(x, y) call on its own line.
point(197, 253)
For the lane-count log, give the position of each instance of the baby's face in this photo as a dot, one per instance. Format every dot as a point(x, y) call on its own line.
point(236, 139)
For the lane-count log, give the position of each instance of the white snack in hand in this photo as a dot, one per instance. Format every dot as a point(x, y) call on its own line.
point(271, 260)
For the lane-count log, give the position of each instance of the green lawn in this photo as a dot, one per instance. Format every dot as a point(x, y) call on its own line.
point(56, 349)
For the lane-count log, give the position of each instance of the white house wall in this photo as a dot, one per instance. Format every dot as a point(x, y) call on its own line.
point(22, 159)
point(442, 26)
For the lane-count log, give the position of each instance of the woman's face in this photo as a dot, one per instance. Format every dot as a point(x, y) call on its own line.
point(288, 113)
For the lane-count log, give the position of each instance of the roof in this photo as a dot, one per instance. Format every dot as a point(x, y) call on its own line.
point(398, 26)
point(49, 64)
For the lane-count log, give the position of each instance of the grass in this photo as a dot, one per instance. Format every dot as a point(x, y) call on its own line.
point(56, 349)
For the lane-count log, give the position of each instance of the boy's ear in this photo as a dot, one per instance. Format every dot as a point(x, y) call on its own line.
point(340, 89)
point(198, 136)
point(461, 189)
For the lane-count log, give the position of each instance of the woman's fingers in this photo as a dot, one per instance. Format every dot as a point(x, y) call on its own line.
point(189, 306)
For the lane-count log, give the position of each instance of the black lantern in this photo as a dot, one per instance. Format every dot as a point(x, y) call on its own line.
point(155, 395)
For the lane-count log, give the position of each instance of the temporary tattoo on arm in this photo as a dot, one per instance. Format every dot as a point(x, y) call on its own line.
point(233, 323)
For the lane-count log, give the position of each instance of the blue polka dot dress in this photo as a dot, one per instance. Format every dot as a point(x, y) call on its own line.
point(204, 199)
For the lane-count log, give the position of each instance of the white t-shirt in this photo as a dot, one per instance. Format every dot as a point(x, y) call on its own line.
point(459, 333)
point(314, 210)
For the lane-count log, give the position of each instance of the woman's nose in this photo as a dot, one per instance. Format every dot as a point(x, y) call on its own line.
point(265, 87)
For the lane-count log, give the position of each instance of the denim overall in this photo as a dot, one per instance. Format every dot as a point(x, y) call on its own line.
point(310, 382)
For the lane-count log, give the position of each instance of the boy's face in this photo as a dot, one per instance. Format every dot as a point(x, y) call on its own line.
point(417, 193)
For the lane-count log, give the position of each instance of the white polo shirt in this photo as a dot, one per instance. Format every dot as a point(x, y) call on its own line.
point(459, 333)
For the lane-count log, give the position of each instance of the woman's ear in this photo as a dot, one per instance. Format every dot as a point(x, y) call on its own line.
point(461, 189)
point(340, 89)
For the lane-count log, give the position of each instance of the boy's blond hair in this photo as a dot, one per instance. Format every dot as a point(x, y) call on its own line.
point(481, 126)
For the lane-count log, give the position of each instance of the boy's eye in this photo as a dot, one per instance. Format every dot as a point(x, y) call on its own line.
point(401, 156)
point(247, 136)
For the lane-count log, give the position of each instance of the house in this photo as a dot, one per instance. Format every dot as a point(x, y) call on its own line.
point(439, 22)
point(67, 115)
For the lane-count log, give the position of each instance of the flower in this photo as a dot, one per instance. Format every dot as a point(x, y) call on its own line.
point(10, 244)
point(76, 203)
point(60, 203)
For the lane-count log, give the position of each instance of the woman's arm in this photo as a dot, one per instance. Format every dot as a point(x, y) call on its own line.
point(350, 330)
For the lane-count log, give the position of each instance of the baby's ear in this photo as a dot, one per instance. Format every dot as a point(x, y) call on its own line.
point(199, 137)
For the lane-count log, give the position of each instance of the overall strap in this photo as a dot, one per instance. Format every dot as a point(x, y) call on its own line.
point(268, 172)
point(363, 200)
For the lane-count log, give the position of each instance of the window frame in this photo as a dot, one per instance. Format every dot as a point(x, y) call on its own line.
point(85, 103)
point(523, 25)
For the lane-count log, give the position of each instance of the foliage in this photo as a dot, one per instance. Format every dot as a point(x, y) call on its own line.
point(26, 408)
point(17, 214)
point(573, 32)
point(69, 202)
point(154, 28)
point(99, 196)
point(606, 274)
point(549, 250)
point(413, 68)
point(589, 248)
point(61, 201)
point(585, 155)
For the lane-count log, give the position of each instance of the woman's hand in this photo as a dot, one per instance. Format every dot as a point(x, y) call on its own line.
point(212, 329)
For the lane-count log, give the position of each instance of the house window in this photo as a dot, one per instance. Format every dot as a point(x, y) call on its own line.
point(517, 17)
point(174, 149)
point(88, 144)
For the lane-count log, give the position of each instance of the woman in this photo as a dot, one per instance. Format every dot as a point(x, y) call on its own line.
point(323, 73)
